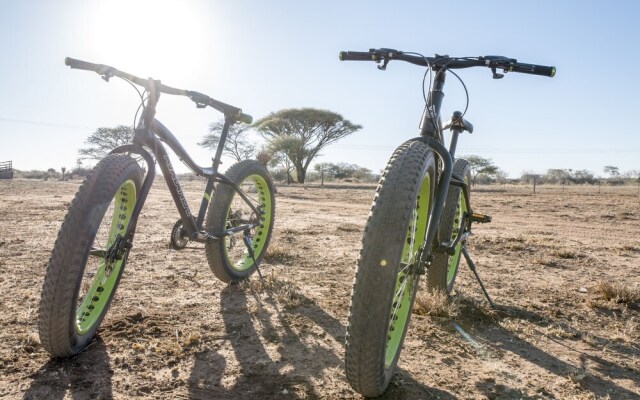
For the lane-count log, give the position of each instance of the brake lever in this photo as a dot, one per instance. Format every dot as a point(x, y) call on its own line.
point(496, 75)
point(385, 55)
point(383, 67)
point(106, 76)
point(495, 62)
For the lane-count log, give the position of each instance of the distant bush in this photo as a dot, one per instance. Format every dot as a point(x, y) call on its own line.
point(615, 182)
point(33, 174)
point(80, 172)
point(342, 172)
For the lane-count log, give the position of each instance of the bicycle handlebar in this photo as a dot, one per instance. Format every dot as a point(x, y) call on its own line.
point(200, 99)
point(446, 62)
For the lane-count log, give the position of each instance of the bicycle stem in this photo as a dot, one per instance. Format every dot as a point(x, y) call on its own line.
point(430, 121)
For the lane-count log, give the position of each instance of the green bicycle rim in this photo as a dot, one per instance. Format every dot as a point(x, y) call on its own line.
point(97, 297)
point(259, 239)
point(454, 260)
point(405, 281)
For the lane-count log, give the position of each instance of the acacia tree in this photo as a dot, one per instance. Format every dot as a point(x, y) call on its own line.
point(612, 171)
point(502, 176)
point(583, 176)
point(103, 140)
point(237, 144)
point(281, 149)
point(557, 175)
point(313, 129)
point(480, 165)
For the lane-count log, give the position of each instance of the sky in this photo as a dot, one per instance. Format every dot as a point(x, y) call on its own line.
point(264, 56)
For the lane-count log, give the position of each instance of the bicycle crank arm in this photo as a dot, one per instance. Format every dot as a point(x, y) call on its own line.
point(464, 231)
point(450, 247)
point(480, 218)
point(98, 252)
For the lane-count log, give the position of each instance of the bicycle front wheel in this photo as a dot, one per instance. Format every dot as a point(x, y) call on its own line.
point(387, 272)
point(80, 283)
point(228, 256)
point(444, 268)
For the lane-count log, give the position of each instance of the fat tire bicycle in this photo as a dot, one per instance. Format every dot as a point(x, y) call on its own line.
point(419, 222)
point(96, 236)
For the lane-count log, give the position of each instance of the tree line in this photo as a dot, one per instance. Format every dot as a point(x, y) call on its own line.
point(612, 176)
point(293, 138)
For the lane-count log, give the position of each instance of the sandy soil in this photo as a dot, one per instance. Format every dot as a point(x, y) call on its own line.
point(174, 331)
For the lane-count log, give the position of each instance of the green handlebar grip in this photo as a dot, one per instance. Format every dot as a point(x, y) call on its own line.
point(79, 64)
point(355, 56)
point(533, 69)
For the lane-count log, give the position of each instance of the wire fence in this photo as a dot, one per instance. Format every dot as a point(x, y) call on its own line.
point(6, 170)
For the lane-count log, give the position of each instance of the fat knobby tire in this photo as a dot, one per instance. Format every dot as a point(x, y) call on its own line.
point(438, 275)
point(377, 271)
point(218, 214)
point(58, 304)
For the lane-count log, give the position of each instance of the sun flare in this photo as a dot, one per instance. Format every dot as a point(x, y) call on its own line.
point(161, 37)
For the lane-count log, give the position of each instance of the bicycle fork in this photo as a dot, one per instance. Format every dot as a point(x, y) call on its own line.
point(426, 256)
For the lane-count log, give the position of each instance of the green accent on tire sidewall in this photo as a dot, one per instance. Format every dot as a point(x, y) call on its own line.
point(454, 260)
point(97, 297)
point(258, 240)
point(403, 293)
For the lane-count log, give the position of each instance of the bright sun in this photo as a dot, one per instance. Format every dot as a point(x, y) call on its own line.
point(160, 37)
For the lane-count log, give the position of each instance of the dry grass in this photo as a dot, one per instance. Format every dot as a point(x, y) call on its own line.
point(626, 332)
point(560, 332)
point(279, 254)
point(349, 228)
point(436, 304)
point(546, 262)
point(617, 292)
point(578, 374)
point(282, 291)
point(629, 248)
point(28, 343)
point(566, 254)
point(289, 232)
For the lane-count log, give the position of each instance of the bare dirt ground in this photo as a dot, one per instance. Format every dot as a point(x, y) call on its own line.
point(174, 331)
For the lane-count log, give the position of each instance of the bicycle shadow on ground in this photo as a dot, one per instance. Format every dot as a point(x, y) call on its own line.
point(85, 376)
point(403, 386)
point(284, 366)
point(496, 337)
point(282, 352)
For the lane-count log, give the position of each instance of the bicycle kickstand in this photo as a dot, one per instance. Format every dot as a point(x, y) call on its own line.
point(247, 242)
point(472, 267)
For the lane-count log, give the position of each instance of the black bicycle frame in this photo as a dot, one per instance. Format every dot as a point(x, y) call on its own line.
point(149, 135)
point(430, 134)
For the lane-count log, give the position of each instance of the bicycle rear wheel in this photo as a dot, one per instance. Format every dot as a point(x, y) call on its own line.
point(386, 275)
point(228, 256)
point(80, 283)
point(444, 268)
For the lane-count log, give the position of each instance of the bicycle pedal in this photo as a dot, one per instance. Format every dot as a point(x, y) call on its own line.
point(480, 218)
